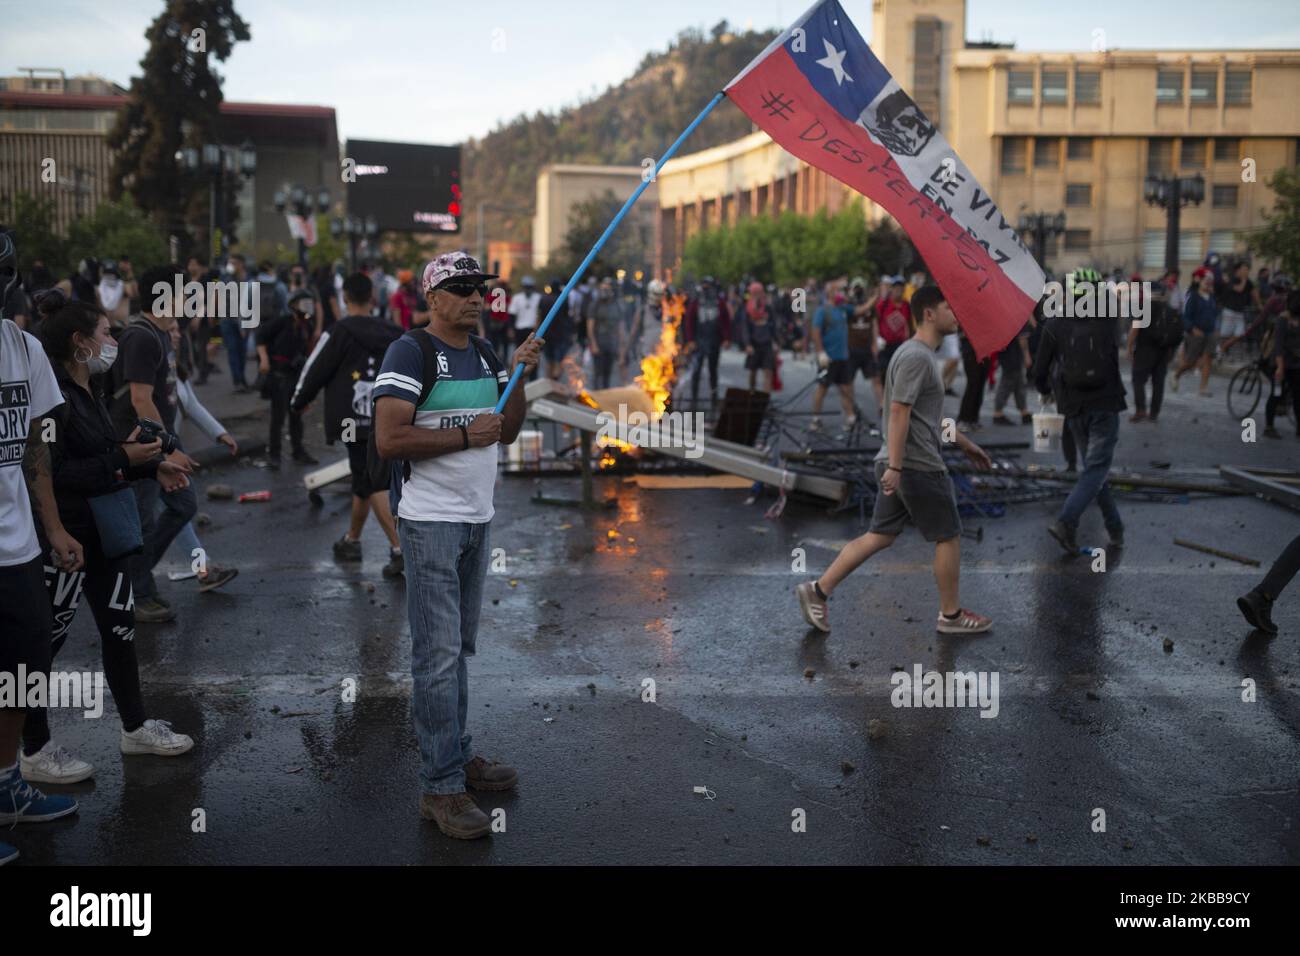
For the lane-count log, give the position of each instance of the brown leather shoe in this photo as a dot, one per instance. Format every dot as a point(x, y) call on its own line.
point(489, 775)
point(456, 814)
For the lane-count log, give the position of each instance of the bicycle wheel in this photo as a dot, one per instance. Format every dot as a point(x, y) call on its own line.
point(1244, 391)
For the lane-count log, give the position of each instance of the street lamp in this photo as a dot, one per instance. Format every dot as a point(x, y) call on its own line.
point(1042, 226)
point(355, 228)
point(218, 161)
point(1172, 193)
point(299, 200)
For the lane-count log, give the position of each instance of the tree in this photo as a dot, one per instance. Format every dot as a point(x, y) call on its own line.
point(32, 220)
point(1280, 237)
point(785, 250)
point(116, 230)
point(175, 102)
point(628, 248)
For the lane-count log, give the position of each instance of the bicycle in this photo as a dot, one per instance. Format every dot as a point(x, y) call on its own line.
point(1248, 385)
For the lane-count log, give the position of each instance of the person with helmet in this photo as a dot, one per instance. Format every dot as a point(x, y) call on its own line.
point(1078, 362)
point(282, 348)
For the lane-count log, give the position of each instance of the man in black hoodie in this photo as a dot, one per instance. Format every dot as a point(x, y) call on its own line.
point(344, 363)
point(1078, 361)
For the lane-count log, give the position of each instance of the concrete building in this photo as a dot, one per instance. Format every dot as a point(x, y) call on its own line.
point(1043, 132)
point(562, 186)
point(50, 117)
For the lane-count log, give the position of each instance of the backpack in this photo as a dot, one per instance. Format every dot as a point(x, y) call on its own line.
point(266, 301)
point(393, 473)
point(1166, 330)
point(1083, 354)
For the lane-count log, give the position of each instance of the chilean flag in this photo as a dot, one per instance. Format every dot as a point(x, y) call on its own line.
point(820, 92)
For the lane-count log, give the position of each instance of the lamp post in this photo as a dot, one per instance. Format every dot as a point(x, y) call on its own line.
point(300, 201)
point(1172, 193)
point(218, 161)
point(1042, 226)
point(355, 228)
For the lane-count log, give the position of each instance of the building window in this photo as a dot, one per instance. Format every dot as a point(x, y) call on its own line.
point(1079, 148)
point(1160, 155)
point(1047, 152)
point(1227, 150)
point(1169, 86)
point(1054, 86)
point(1078, 240)
point(927, 51)
point(1236, 87)
point(1204, 88)
point(1153, 249)
point(1020, 87)
point(1078, 194)
point(1191, 246)
point(1013, 154)
point(1192, 154)
point(1087, 87)
point(1225, 196)
point(1223, 241)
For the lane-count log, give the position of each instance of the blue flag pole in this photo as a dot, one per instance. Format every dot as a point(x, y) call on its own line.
point(604, 237)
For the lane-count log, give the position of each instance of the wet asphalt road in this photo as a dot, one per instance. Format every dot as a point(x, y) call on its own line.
point(693, 590)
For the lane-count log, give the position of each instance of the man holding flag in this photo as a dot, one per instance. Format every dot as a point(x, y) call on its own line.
point(434, 415)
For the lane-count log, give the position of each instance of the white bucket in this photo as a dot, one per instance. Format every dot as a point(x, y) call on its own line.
point(530, 447)
point(1048, 428)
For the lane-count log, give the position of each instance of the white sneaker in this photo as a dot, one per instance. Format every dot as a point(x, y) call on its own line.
point(53, 764)
point(155, 737)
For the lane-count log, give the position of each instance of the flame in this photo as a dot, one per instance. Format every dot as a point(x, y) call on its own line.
point(657, 370)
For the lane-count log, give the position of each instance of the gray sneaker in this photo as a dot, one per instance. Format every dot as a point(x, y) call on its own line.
point(153, 611)
point(456, 814)
point(814, 608)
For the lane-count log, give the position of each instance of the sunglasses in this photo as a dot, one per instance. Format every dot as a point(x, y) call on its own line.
point(465, 289)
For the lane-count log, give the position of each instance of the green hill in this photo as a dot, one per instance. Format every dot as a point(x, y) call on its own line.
point(638, 118)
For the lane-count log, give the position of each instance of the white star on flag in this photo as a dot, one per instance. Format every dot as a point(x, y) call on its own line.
point(834, 61)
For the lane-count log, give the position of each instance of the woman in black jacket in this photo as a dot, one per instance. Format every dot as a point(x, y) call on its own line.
point(87, 461)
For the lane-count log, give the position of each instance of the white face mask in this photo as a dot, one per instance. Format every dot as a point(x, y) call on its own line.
point(101, 363)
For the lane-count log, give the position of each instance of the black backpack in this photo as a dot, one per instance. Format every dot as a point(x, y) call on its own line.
point(1166, 329)
point(1083, 346)
point(393, 473)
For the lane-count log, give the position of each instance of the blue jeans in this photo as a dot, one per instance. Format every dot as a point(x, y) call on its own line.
point(159, 528)
point(446, 563)
point(233, 337)
point(1095, 435)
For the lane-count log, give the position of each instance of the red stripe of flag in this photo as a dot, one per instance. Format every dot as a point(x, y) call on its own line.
point(777, 97)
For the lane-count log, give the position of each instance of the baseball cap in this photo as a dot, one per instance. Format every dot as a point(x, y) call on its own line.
point(453, 265)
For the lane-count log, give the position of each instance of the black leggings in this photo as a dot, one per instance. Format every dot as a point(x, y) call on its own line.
point(1283, 570)
point(976, 376)
point(1150, 364)
point(281, 385)
point(1291, 382)
point(107, 586)
point(709, 354)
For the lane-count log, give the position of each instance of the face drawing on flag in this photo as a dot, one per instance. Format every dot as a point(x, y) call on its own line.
point(899, 125)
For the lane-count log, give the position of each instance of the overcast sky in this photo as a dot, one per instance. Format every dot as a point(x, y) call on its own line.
point(437, 72)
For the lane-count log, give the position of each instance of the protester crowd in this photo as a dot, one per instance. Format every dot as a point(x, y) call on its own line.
point(98, 374)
